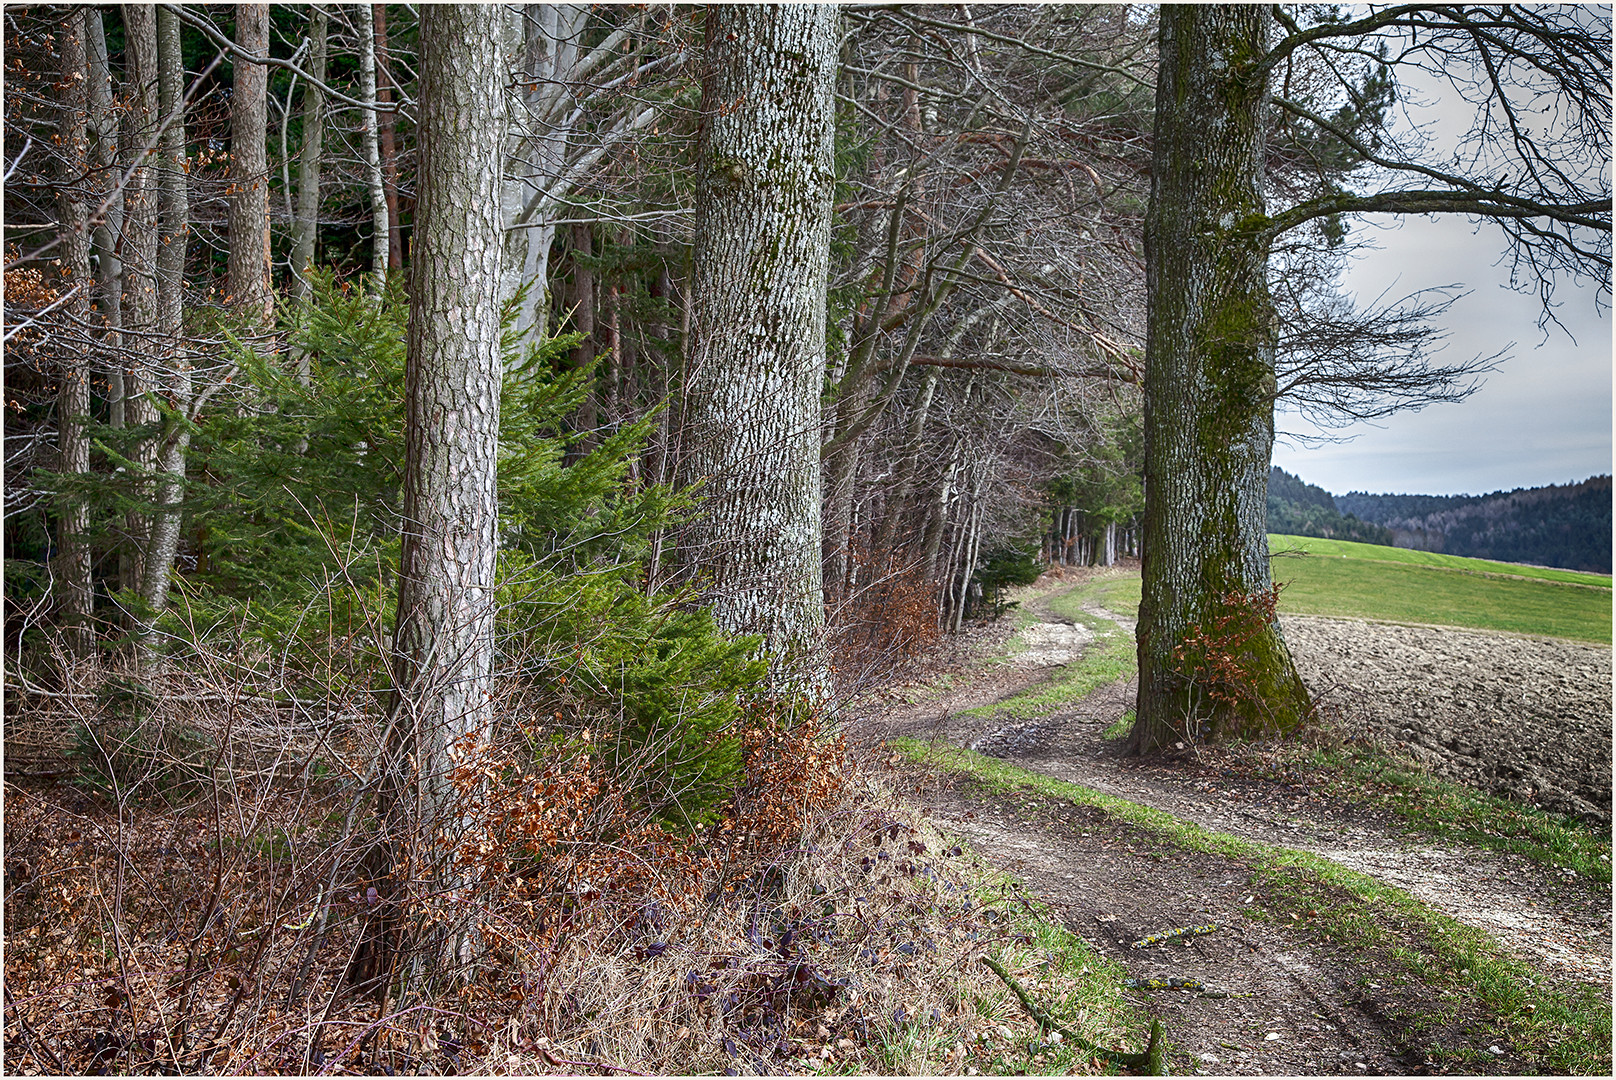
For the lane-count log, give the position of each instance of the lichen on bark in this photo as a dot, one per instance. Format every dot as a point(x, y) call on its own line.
point(756, 352)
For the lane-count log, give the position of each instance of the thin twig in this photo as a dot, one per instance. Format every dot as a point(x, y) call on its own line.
point(1150, 1062)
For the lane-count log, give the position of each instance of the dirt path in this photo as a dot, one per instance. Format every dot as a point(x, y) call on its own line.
point(1297, 1004)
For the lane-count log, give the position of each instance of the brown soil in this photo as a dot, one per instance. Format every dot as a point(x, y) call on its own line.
point(1298, 1004)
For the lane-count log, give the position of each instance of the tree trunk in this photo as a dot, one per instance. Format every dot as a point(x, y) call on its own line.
point(444, 643)
point(104, 241)
point(174, 204)
point(379, 234)
point(386, 142)
point(1209, 392)
point(580, 299)
point(306, 222)
point(140, 356)
point(665, 379)
point(887, 541)
point(248, 260)
point(548, 36)
point(757, 345)
point(74, 594)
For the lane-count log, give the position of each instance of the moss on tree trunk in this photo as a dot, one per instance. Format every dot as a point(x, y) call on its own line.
point(1212, 663)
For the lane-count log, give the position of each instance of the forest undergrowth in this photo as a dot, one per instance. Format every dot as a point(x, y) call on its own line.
point(189, 900)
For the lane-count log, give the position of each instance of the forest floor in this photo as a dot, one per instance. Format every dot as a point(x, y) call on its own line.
point(1285, 984)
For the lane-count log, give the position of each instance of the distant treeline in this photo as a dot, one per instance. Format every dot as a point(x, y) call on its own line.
point(1301, 509)
point(1564, 525)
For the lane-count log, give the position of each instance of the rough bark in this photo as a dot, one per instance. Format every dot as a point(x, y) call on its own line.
point(104, 241)
point(757, 336)
point(306, 216)
point(175, 381)
point(140, 354)
point(247, 266)
point(444, 642)
point(74, 595)
point(580, 298)
point(1209, 389)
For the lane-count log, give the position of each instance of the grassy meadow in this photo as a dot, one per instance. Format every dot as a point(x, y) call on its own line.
point(1366, 581)
point(1337, 577)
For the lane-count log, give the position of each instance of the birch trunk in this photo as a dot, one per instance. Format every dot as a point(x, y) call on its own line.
point(444, 643)
point(757, 336)
point(1209, 390)
point(247, 264)
point(379, 235)
point(74, 594)
point(385, 138)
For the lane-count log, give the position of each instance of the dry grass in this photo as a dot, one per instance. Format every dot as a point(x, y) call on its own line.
point(197, 911)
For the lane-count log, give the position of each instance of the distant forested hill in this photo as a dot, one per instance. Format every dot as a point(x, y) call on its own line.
point(1301, 509)
point(1565, 525)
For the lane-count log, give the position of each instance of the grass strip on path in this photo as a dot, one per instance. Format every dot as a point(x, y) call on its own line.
point(1554, 1030)
point(1108, 658)
point(1455, 812)
point(1425, 804)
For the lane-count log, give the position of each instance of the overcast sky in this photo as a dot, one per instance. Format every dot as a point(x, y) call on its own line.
point(1544, 417)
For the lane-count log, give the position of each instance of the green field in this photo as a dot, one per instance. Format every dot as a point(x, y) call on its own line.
point(1365, 581)
point(1347, 549)
point(1335, 577)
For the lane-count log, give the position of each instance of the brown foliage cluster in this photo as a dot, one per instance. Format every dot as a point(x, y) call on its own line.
point(886, 623)
point(556, 844)
point(1217, 658)
point(207, 926)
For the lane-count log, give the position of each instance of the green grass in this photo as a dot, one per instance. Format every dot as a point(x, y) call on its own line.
point(1072, 982)
point(1555, 1030)
point(1107, 659)
point(1336, 577)
point(1427, 805)
point(1455, 812)
point(1065, 975)
point(1118, 592)
point(1379, 553)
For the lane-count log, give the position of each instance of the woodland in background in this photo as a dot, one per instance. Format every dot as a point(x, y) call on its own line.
point(1297, 508)
point(1565, 525)
point(981, 401)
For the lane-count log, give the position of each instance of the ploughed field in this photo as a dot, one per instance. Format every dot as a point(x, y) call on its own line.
point(1521, 717)
point(1511, 694)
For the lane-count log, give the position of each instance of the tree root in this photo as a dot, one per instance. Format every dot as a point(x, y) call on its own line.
point(1151, 1062)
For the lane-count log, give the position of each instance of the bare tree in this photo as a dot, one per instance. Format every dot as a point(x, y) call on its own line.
point(386, 138)
point(576, 104)
point(380, 236)
point(1535, 162)
point(248, 254)
point(306, 217)
point(142, 356)
point(74, 586)
point(175, 372)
